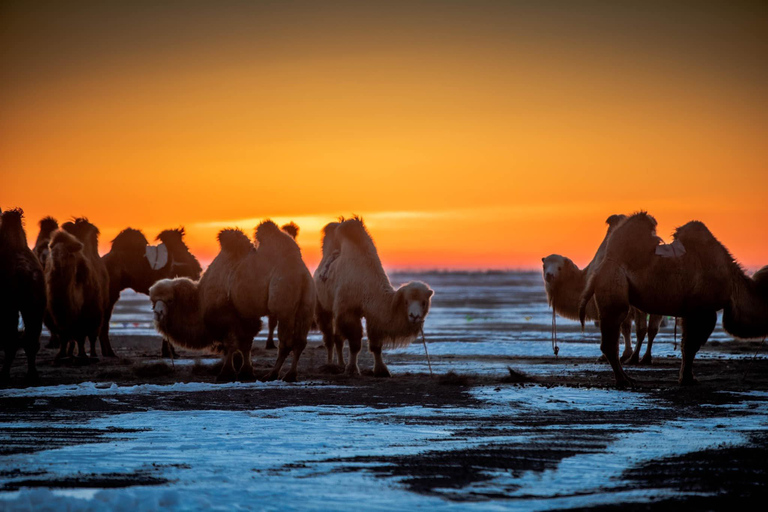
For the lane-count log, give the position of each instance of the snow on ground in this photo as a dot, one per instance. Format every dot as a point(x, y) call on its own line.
point(272, 459)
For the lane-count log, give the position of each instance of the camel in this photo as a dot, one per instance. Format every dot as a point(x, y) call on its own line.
point(293, 230)
point(694, 285)
point(128, 267)
point(564, 283)
point(241, 285)
point(47, 226)
point(22, 293)
point(89, 277)
point(351, 285)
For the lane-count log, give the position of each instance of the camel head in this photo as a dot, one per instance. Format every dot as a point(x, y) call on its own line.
point(554, 267)
point(65, 250)
point(162, 294)
point(414, 300)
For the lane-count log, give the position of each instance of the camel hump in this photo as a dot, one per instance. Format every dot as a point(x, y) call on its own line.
point(234, 241)
point(48, 225)
point(130, 240)
point(292, 229)
point(694, 233)
point(169, 236)
point(354, 230)
point(12, 229)
point(267, 229)
point(68, 240)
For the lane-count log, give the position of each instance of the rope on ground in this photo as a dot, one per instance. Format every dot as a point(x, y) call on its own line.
point(424, 341)
point(555, 348)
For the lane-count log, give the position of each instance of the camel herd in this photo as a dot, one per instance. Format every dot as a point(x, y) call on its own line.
point(64, 284)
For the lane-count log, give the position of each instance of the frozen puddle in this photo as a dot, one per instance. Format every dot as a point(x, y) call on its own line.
point(331, 457)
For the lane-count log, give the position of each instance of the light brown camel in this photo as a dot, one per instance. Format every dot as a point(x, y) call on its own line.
point(239, 287)
point(293, 230)
point(76, 298)
point(129, 267)
point(22, 292)
point(47, 226)
point(564, 283)
point(352, 285)
point(693, 286)
point(88, 234)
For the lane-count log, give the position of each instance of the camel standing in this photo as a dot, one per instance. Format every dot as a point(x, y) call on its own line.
point(565, 282)
point(22, 292)
point(128, 267)
point(693, 286)
point(352, 285)
point(241, 285)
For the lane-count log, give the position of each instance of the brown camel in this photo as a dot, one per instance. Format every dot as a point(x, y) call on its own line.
point(129, 267)
point(693, 284)
point(47, 226)
point(565, 282)
point(293, 230)
point(351, 285)
point(22, 293)
point(96, 288)
point(241, 285)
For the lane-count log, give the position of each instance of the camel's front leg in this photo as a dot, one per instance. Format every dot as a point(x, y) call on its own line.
point(626, 333)
point(654, 323)
point(610, 326)
point(379, 368)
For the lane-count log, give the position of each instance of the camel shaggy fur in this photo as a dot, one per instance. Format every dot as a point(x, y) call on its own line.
point(693, 286)
point(565, 282)
point(47, 226)
point(76, 297)
point(240, 286)
point(22, 292)
point(128, 267)
point(293, 230)
point(352, 285)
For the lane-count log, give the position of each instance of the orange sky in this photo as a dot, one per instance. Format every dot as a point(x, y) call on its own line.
point(468, 134)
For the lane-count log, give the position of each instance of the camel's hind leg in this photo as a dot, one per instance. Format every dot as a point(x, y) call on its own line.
point(626, 334)
point(272, 320)
point(612, 318)
point(351, 327)
point(654, 323)
point(641, 329)
point(244, 344)
point(696, 331)
point(9, 340)
point(325, 324)
point(106, 345)
point(299, 344)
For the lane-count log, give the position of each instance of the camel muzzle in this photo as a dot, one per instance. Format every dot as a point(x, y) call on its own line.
point(159, 309)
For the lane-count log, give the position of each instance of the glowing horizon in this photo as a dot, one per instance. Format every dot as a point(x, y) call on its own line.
point(469, 136)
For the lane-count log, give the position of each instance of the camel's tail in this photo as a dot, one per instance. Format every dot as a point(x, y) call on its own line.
point(586, 296)
point(234, 241)
point(12, 233)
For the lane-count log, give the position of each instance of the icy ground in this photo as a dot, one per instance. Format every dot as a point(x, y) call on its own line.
point(537, 446)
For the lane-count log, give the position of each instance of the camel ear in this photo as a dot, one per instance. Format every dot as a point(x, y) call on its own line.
point(430, 292)
point(543, 259)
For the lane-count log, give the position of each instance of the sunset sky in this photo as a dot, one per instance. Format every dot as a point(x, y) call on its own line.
point(468, 134)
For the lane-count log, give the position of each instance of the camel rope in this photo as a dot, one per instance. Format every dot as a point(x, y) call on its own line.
point(555, 348)
point(424, 341)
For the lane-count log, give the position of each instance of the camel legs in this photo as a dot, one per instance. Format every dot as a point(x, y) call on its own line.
point(244, 345)
point(106, 346)
point(351, 328)
point(379, 368)
point(167, 351)
point(33, 324)
point(9, 340)
point(271, 338)
point(653, 329)
point(227, 373)
point(626, 333)
point(331, 340)
point(81, 353)
point(611, 321)
point(696, 331)
point(641, 329)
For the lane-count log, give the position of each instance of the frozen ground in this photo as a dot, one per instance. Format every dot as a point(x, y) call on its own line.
point(141, 434)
